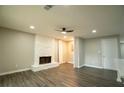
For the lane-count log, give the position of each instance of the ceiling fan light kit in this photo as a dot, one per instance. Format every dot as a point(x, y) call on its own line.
point(64, 30)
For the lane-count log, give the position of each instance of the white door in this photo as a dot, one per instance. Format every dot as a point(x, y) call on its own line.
point(109, 52)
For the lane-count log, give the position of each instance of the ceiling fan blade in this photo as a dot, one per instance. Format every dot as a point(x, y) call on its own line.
point(69, 30)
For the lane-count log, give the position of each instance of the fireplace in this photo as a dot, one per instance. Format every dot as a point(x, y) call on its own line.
point(44, 59)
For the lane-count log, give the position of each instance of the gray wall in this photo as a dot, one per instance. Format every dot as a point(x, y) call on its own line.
point(16, 50)
point(79, 52)
point(92, 49)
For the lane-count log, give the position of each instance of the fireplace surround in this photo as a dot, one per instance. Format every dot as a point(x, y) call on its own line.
point(45, 62)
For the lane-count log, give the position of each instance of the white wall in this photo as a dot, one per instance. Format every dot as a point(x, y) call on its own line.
point(45, 46)
point(16, 50)
point(70, 47)
point(56, 50)
point(92, 52)
point(79, 52)
point(76, 52)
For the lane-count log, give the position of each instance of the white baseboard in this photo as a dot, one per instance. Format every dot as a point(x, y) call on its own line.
point(78, 66)
point(93, 66)
point(45, 66)
point(14, 71)
point(99, 67)
point(81, 66)
point(110, 69)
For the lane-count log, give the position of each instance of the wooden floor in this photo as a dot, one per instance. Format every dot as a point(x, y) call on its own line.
point(64, 75)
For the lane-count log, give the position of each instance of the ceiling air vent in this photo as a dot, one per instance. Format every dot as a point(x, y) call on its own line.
point(48, 7)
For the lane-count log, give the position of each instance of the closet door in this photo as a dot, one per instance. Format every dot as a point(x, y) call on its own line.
point(109, 52)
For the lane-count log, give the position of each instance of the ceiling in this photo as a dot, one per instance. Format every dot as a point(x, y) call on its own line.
point(106, 20)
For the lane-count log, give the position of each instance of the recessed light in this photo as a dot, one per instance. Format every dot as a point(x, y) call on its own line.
point(93, 31)
point(32, 27)
point(65, 36)
point(63, 32)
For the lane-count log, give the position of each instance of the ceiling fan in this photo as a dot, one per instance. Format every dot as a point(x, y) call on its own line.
point(64, 30)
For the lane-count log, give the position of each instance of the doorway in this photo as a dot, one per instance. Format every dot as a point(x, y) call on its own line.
point(65, 51)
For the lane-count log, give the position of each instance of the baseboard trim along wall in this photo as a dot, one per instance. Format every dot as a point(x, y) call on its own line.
point(93, 66)
point(46, 66)
point(81, 66)
point(89, 66)
point(14, 71)
point(34, 68)
point(99, 67)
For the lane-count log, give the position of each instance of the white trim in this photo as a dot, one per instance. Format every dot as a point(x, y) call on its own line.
point(81, 66)
point(14, 71)
point(110, 69)
point(99, 67)
point(78, 66)
point(93, 66)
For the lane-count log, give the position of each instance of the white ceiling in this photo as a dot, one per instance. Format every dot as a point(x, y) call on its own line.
point(107, 20)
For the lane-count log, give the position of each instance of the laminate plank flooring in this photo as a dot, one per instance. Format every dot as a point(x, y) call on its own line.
point(63, 76)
